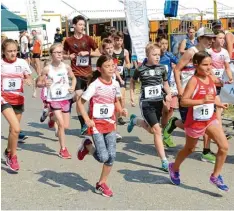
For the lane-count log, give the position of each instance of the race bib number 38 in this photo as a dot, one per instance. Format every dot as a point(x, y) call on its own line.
point(11, 84)
point(203, 112)
point(103, 111)
point(82, 61)
point(153, 91)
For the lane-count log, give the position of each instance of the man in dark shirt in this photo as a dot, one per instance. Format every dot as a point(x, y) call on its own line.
point(58, 37)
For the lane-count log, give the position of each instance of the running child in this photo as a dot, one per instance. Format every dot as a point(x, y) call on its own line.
point(200, 98)
point(102, 94)
point(56, 78)
point(14, 73)
point(155, 93)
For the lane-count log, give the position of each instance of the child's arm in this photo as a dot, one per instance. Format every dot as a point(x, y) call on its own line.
point(72, 76)
point(229, 72)
point(119, 77)
point(126, 58)
point(132, 91)
point(41, 79)
point(119, 109)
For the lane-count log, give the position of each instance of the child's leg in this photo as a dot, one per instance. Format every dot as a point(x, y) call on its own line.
point(166, 113)
point(216, 133)
point(14, 131)
point(110, 140)
point(189, 147)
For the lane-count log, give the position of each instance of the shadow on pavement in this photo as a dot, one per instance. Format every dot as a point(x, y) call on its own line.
point(125, 158)
point(230, 159)
point(6, 169)
point(200, 190)
point(69, 179)
point(143, 176)
point(39, 125)
point(41, 148)
point(39, 135)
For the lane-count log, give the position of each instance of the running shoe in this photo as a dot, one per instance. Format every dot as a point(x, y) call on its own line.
point(165, 165)
point(12, 162)
point(130, 124)
point(118, 136)
point(6, 154)
point(104, 190)
point(82, 150)
point(51, 122)
point(209, 157)
point(218, 182)
point(121, 121)
point(64, 154)
point(22, 137)
point(228, 136)
point(168, 142)
point(44, 115)
point(83, 130)
point(174, 175)
point(167, 131)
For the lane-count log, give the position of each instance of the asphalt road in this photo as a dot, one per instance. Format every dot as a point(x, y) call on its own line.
point(47, 182)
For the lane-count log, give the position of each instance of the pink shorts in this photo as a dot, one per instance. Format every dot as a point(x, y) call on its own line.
point(63, 105)
point(174, 102)
point(197, 133)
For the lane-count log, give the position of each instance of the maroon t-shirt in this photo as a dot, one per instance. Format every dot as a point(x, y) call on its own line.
point(74, 45)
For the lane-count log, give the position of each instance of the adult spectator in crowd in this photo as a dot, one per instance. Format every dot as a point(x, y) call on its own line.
point(58, 37)
point(24, 50)
point(189, 42)
point(127, 41)
point(37, 51)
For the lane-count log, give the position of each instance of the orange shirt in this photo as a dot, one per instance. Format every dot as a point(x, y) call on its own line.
point(37, 47)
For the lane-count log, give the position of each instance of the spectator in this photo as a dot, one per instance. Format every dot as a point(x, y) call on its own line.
point(189, 42)
point(58, 37)
point(127, 41)
point(24, 50)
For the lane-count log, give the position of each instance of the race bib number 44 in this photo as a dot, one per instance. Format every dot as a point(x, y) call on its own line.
point(103, 111)
point(203, 112)
point(82, 61)
point(153, 91)
point(11, 84)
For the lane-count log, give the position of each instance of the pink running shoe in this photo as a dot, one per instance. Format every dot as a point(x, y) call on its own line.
point(12, 162)
point(104, 190)
point(82, 150)
point(64, 154)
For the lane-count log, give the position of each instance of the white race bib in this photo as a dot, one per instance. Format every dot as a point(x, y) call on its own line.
point(203, 112)
point(58, 92)
point(120, 69)
point(11, 84)
point(218, 73)
point(153, 91)
point(103, 111)
point(82, 61)
point(173, 88)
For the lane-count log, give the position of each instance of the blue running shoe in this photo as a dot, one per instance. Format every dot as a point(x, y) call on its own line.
point(218, 182)
point(174, 175)
point(165, 165)
point(130, 124)
point(22, 137)
point(83, 130)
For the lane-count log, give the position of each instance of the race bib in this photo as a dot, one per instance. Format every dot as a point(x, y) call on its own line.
point(173, 88)
point(103, 111)
point(203, 112)
point(187, 74)
point(153, 91)
point(218, 73)
point(120, 69)
point(11, 84)
point(58, 92)
point(82, 61)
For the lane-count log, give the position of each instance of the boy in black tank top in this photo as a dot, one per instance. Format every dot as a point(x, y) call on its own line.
point(122, 56)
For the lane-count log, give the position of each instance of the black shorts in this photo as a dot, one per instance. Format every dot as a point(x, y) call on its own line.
point(36, 56)
point(24, 55)
point(151, 111)
point(218, 90)
point(18, 109)
point(81, 83)
point(183, 112)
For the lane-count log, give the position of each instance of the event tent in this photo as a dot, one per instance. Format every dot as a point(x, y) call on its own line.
point(12, 22)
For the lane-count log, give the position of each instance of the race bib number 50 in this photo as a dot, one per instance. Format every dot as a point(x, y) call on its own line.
point(203, 112)
point(153, 91)
point(82, 61)
point(103, 111)
point(11, 84)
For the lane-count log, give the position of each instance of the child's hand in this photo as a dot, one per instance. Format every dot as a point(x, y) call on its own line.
point(224, 105)
point(168, 98)
point(71, 90)
point(28, 81)
point(208, 99)
point(122, 82)
point(48, 83)
point(133, 103)
point(90, 123)
point(230, 81)
point(124, 112)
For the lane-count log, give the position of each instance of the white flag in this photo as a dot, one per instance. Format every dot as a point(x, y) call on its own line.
point(33, 12)
point(137, 22)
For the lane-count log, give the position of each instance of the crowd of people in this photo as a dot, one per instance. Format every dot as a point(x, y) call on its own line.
point(191, 84)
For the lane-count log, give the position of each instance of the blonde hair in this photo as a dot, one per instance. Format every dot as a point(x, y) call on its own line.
point(151, 46)
point(55, 45)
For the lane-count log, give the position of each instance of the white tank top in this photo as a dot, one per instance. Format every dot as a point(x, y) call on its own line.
point(188, 71)
point(58, 90)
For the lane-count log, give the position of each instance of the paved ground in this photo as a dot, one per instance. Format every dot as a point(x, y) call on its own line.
point(45, 181)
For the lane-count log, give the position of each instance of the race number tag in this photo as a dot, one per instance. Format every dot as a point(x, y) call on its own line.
point(203, 112)
point(120, 69)
point(58, 92)
point(11, 84)
point(103, 111)
point(173, 88)
point(218, 73)
point(82, 61)
point(153, 91)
